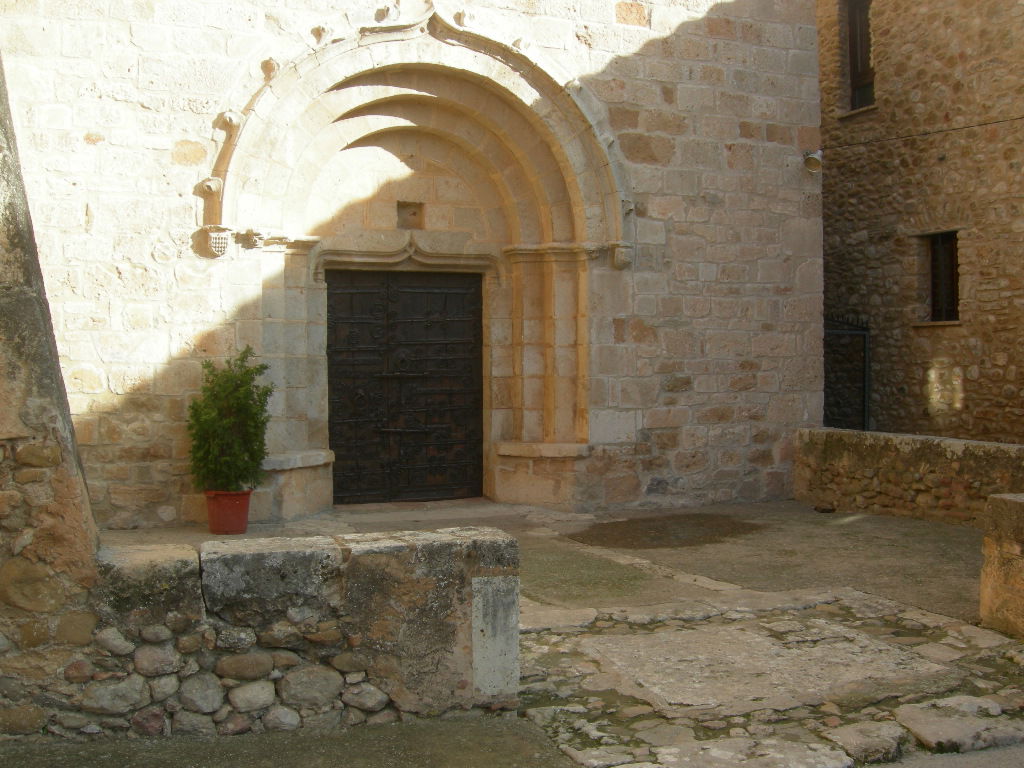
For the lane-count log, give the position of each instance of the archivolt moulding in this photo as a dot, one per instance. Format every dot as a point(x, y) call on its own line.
point(290, 128)
point(401, 249)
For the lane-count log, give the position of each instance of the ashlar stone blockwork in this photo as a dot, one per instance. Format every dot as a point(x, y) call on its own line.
point(626, 177)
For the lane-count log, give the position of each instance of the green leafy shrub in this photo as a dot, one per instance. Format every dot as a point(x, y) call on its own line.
point(228, 425)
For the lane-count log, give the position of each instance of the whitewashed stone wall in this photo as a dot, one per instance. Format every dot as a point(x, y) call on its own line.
point(689, 348)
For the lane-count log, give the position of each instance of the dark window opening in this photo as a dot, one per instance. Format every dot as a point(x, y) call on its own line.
point(945, 276)
point(862, 75)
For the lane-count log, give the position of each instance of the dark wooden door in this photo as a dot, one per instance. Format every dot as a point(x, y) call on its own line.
point(405, 385)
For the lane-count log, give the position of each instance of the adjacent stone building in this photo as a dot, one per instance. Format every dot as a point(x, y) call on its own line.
point(547, 252)
point(922, 125)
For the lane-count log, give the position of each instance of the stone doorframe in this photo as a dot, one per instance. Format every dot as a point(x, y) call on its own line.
point(530, 146)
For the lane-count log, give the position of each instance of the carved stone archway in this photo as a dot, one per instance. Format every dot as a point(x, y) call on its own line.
point(512, 180)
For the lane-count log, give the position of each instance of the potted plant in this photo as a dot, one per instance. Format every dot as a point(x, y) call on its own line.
point(228, 425)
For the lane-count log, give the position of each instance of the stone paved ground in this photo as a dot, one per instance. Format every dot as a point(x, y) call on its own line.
point(796, 679)
point(632, 658)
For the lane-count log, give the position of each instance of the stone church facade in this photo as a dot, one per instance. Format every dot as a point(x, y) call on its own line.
point(546, 252)
point(922, 125)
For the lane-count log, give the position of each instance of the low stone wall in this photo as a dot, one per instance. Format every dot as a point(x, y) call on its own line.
point(933, 478)
point(274, 634)
point(1002, 573)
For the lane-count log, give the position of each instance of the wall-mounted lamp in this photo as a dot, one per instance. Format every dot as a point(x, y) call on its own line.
point(812, 161)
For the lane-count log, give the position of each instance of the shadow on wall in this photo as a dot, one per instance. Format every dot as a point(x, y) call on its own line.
point(709, 124)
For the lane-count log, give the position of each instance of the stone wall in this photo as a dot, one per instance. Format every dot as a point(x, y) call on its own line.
point(272, 634)
point(626, 176)
point(939, 151)
point(47, 532)
point(931, 478)
point(1002, 573)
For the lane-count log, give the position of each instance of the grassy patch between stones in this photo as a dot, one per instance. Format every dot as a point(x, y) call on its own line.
point(561, 574)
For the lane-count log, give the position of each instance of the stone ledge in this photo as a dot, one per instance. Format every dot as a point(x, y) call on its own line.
point(544, 450)
point(429, 619)
point(279, 462)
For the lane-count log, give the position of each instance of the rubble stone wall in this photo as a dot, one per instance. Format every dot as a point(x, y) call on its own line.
point(675, 353)
point(939, 151)
point(932, 478)
point(272, 634)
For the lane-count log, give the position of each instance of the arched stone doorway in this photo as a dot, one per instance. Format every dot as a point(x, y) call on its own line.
point(423, 147)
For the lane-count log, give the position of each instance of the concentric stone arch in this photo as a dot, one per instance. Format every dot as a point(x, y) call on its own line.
point(514, 181)
point(433, 78)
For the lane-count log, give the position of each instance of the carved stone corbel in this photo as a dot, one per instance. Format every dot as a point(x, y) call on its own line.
point(211, 241)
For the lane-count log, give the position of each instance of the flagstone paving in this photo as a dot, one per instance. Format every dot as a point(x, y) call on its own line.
point(795, 679)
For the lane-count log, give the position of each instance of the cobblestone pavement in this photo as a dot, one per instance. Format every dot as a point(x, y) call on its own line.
point(795, 679)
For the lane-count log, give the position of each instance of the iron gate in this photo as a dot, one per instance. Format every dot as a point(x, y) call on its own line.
point(404, 385)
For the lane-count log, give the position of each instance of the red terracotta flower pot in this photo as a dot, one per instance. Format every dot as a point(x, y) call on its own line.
point(227, 511)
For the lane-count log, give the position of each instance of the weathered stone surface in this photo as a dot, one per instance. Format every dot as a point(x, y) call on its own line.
point(150, 721)
point(79, 671)
point(144, 583)
point(252, 696)
point(246, 666)
point(352, 716)
point(111, 639)
point(286, 659)
point(74, 720)
point(23, 719)
point(383, 717)
point(236, 638)
point(495, 631)
point(310, 686)
point(281, 634)
point(870, 742)
point(281, 719)
point(769, 753)
point(38, 454)
point(156, 633)
point(187, 723)
point(156, 660)
point(30, 586)
point(76, 628)
point(740, 668)
point(116, 697)
point(202, 692)
point(596, 757)
point(234, 724)
point(254, 582)
point(161, 688)
point(366, 697)
point(953, 725)
point(666, 735)
point(349, 661)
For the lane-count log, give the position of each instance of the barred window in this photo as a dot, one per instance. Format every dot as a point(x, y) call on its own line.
point(945, 276)
point(862, 75)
